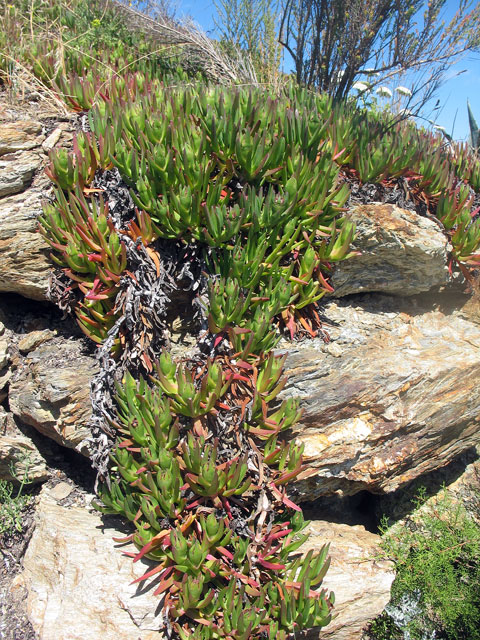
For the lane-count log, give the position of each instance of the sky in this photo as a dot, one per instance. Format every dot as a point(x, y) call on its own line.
point(453, 94)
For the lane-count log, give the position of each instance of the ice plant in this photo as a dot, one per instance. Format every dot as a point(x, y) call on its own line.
point(235, 201)
point(221, 572)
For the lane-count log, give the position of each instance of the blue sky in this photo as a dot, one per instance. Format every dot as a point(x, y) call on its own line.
point(453, 94)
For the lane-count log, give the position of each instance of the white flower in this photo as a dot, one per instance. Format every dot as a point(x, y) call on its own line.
point(405, 112)
point(404, 91)
point(360, 86)
point(438, 127)
point(384, 92)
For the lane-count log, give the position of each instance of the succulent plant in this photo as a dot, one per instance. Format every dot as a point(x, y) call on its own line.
point(255, 185)
point(474, 131)
point(91, 253)
point(217, 581)
point(466, 164)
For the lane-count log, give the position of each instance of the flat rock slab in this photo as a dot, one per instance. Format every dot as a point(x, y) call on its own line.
point(78, 582)
point(73, 565)
point(359, 577)
point(51, 392)
point(17, 171)
point(34, 339)
point(402, 253)
point(400, 397)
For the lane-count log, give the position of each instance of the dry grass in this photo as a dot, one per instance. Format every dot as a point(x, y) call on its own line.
point(169, 37)
point(195, 44)
point(23, 86)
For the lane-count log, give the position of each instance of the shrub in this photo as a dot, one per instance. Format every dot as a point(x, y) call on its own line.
point(13, 501)
point(437, 558)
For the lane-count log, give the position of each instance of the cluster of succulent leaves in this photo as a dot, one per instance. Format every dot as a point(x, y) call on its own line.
point(249, 177)
point(208, 501)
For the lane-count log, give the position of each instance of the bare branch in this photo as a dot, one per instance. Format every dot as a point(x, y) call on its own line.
point(332, 42)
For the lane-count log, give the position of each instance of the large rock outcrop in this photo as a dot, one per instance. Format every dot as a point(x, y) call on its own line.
point(51, 391)
point(394, 395)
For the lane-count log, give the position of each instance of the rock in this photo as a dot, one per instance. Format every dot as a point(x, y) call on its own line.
point(5, 376)
point(50, 391)
point(402, 399)
point(34, 339)
point(358, 577)
point(4, 355)
point(402, 253)
point(397, 398)
point(20, 136)
point(24, 262)
point(60, 491)
point(466, 489)
point(78, 582)
point(52, 139)
point(16, 171)
point(19, 454)
point(457, 484)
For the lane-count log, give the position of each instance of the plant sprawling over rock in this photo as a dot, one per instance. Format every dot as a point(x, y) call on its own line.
point(230, 203)
point(230, 207)
point(224, 196)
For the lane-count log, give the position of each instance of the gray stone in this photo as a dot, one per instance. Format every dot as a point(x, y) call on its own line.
point(52, 139)
point(51, 392)
point(402, 253)
point(359, 576)
point(79, 583)
point(24, 262)
point(402, 399)
point(34, 339)
point(61, 491)
point(17, 170)
point(4, 355)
